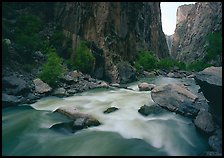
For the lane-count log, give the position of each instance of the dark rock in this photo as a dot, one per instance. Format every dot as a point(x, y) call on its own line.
point(204, 121)
point(15, 85)
point(153, 109)
point(111, 109)
point(210, 82)
point(67, 79)
point(215, 141)
point(212, 153)
point(126, 72)
point(11, 100)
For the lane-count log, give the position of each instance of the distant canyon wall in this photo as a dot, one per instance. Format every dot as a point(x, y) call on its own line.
point(194, 23)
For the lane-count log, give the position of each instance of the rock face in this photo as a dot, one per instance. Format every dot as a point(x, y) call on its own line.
point(177, 98)
point(210, 82)
point(117, 30)
point(194, 23)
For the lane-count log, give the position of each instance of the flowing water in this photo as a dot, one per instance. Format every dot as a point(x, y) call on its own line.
point(26, 129)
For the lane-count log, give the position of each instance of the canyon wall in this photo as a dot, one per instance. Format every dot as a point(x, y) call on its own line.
point(117, 31)
point(194, 23)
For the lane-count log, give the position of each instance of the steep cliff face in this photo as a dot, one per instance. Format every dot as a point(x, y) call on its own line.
point(118, 29)
point(194, 23)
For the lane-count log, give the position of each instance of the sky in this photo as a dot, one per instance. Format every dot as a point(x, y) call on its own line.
point(168, 13)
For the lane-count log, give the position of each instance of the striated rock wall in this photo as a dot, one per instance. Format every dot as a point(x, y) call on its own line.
point(194, 23)
point(118, 29)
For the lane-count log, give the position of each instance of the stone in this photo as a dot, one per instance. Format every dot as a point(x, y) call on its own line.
point(15, 85)
point(60, 92)
point(177, 98)
point(145, 86)
point(126, 73)
point(111, 109)
point(41, 87)
point(204, 121)
point(147, 110)
point(10, 100)
point(215, 141)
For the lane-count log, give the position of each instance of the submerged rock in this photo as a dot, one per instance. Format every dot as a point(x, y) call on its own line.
point(153, 109)
point(111, 109)
point(176, 98)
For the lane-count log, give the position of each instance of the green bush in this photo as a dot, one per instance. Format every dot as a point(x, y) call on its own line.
point(214, 48)
point(27, 29)
point(197, 65)
point(181, 65)
point(52, 69)
point(83, 59)
point(146, 60)
point(165, 64)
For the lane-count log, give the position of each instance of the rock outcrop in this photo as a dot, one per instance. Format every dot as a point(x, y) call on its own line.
point(210, 82)
point(117, 30)
point(194, 23)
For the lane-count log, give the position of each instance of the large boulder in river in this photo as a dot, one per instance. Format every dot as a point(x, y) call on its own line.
point(145, 86)
point(176, 98)
point(41, 87)
point(147, 110)
point(210, 82)
point(75, 115)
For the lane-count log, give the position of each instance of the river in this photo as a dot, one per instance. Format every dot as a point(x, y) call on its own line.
point(26, 128)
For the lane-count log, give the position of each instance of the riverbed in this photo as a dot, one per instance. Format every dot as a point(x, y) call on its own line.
point(26, 128)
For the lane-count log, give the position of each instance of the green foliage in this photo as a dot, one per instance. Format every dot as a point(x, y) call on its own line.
point(52, 69)
point(27, 29)
point(181, 65)
point(83, 60)
point(165, 63)
point(146, 60)
point(214, 48)
point(197, 65)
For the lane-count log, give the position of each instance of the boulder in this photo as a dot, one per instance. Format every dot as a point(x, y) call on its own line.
point(204, 121)
point(41, 87)
point(170, 74)
point(15, 85)
point(215, 141)
point(126, 72)
point(210, 82)
point(145, 86)
point(175, 97)
point(153, 109)
point(111, 109)
point(80, 120)
point(11, 100)
point(60, 92)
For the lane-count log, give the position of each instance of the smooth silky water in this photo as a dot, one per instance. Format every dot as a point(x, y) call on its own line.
point(26, 129)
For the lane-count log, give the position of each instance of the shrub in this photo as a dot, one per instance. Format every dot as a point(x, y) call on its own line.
point(147, 60)
point(165, 64)
point(83, 60)
point(27, 29)
point(214, 47)
point(52, 69)
point(198, 65)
